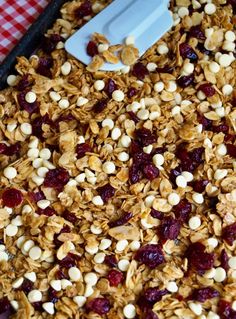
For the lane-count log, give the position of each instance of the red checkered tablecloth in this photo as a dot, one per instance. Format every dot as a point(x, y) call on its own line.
point(16, 16)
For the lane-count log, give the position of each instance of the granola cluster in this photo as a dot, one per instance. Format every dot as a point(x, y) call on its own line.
point(118, 190)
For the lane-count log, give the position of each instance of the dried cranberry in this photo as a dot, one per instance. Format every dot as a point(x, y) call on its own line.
point(50, 43)
point(106, 192)
point(224, 260)
point(187, 52)
point(174, 173)
point(37, 124)
point(140, 71)
point(206, 124)
point(229, 233)
point(92, 48)
point(36, 196)
point(133, 117)
point(38, 305)
point(29, 107)
point(52, 295)
point(12, 197)
point(100, 106)
point(182, 210)
point(13, 149)
point(198, 258)
point(48, 211)
point(229, 138)
point(207, 89)
point(169, 228)
point(201, 48)
point(85, 9)
point(150, 255)
point(110, 87)
point(121, 221)
point(149, 314)
point(199, 186)
point(100, 306)
point(196, 154)
point(152, 295)
point(231, 150)
point(203, 294)
point(61, 275)
point(158, 150)
point(141, 158)
point(82, 149)
point(185, 81)
point(135, 174)
point(4, 305)
point(3, 148)
point(111, 261)
point(56, 241)
point(213, 201)
point(145, 137)
point(69, 216)
point(156, 214)
point(196, 32)
point(150, 171)
point(24, 83)
point(69, 261)
point(56, 178)
point(44, 66)
point(220, 128)
point(26, 286)
point(115, 277)
point(225, 311)
point(165, 69)
point(131, 92)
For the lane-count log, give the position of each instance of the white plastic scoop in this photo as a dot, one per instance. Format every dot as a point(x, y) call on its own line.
point(146, 20)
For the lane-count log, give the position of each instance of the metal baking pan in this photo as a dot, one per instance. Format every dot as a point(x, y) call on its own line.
point(30, 41)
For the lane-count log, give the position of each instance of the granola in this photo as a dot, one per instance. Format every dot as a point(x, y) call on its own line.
point(118, 190)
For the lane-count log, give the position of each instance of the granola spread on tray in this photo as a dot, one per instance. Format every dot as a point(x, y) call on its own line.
point(118, 190)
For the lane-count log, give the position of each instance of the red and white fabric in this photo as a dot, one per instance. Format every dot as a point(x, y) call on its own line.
point(16, 16)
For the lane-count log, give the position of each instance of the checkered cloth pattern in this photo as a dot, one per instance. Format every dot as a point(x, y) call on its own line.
point(16, 16)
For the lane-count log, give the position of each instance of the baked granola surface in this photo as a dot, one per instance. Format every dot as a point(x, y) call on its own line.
point(118, 190)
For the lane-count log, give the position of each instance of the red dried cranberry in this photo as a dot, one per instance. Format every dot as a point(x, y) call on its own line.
point(206, 124)
point(152, 295)
point(187, 52)
point(150, 171)
point(150, 255)
point(4, 305)
point(13, 149)
point(100, 106)
point(224, 260)
point(141, 158)
point(69, 261)
point(225, 311)
point(37, 125)
point(145, 137)
point(24, 83)
point(3, 148)
point(182, 153)
point(110, 87)
point(106, 192)
point(165, 69)
point(115, 277)
point(203, 294)
point(56, 178)
point(158, 150)
point(231, 150)
point(196, 32)
point(185, 81)
point(92, 48)
point(29, 107)
point(26, 286)
point(52, 295)
point(133, 116)
point(169, 228)
point(121, 221)
point(69, 216)
point(140, 71)
point(201, 48)
point(44, 66)
point(61, 275)
point(149, 314)
point(37, 305)
point(56, 241)
point(196, 154)
point(229, 233)
point(49, 211)
point(36, 196)
point(207, 89)
point(199, 186)
point(229, 138)
point(85, 9)
point(12, 197)
point(233, 4)
point(156, 214)
point(131, 92)
point(111, 261)
point(135, 174)
point(82, 149)
point(174, 173)
point(198, 258)
point(50, 43)
point(100, 306)
point(183, 210)
point(220, 128)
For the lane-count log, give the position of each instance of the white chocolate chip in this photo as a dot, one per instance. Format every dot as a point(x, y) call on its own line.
point(158, 160)
point(198, 198)
point(194, 222)
point(227, 89)
point(130, 40)
point(173, 199)
point(91, 279)
point(123, 265)
point(11, 230)
point(220, 174)
point(158, 87)
point(118, 95)
point(171, 286)
point(35, 253)
point(10, 172)
point(66, 68)
point(26, 128)
point(81, 101)
point(55, 96)
point(99, 258)
point(135, 245)
point(232, 262)
point(49, 307)
point(56, 284)
point(181, 181)
point(99, 85)
point(196, 308)
point(105, 243)
point(80, 300)
point(121, 245)
point(220, 274)
point(109, 123)
point(74, 274)
point(63, 104)
point(116, 133)
point(17, 283)
point(109, 167)
point(210, 8)
point(35, 296)
point(31, 276)
point(129, 311)
point(162, 49)
point(11, 80)
point(30, 97)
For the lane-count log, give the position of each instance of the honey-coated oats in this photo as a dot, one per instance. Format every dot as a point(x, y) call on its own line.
point(122, 208)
